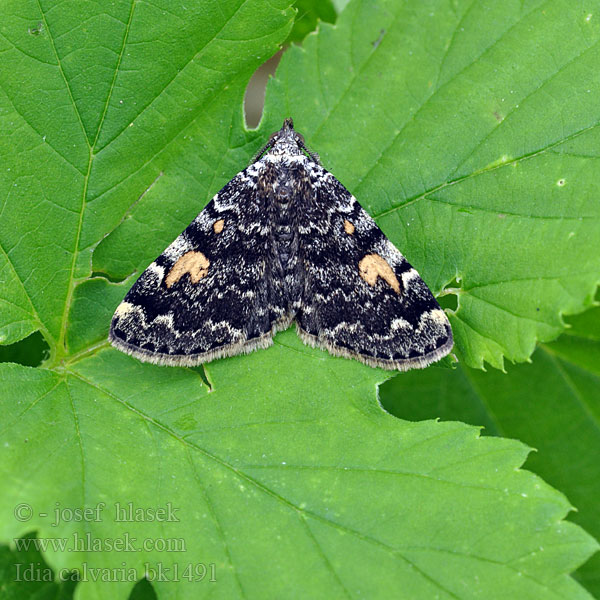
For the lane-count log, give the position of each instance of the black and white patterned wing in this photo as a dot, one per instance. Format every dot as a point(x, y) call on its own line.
point(211, 293)
point(361, 298)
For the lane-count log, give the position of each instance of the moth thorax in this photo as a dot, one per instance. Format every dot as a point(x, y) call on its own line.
point(286, 144)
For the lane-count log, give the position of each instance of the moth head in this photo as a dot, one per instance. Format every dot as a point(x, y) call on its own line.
point(286, 135)
point(287, 141)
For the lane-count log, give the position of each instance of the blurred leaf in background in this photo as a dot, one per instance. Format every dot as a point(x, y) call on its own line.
point(25, 574)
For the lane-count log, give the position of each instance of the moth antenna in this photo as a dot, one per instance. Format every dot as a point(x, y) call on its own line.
point(312, 155)
point(259, 154)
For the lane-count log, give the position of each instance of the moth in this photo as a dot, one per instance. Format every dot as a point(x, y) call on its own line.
point(284, 241)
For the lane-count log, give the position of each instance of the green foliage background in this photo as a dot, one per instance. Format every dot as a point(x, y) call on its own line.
point(469, 130)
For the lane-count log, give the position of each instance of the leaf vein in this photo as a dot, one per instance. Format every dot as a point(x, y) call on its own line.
point(521, 102)
point(115, 74)
point(484, 170)
point(178, 72)
point(321, 552)
point(262, 487)
point(62, 72)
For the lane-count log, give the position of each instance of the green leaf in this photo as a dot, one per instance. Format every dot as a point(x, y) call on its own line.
point(284, 475)
point(103, 100)
point(552, 404)
point(30, 351)
point(310, 12)
point(469, 130)
point(281, 488)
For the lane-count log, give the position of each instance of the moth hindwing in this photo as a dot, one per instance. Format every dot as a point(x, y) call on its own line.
point(283, 241)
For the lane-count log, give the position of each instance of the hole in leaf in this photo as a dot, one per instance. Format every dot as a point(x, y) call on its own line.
point(309, 14)
point(448, 298)
point(202, 374)
point(36, 29)
point(254, 98)
point(30, 352)
point(108, 277)
point(449, 301)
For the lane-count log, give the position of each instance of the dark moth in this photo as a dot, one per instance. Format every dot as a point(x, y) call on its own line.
point(284, 241)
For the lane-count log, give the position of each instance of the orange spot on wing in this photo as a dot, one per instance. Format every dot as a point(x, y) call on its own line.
point(193, 263)
point(373, 266)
